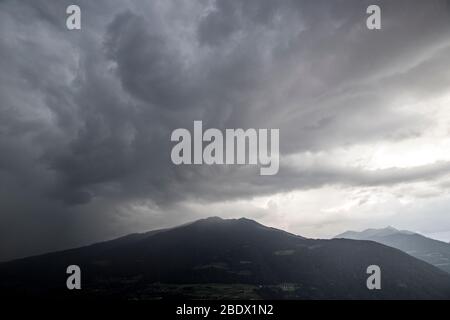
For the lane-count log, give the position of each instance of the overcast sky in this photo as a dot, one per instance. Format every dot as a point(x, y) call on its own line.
point(86, 116)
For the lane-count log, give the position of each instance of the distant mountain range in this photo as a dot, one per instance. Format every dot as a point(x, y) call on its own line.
point(432, 251)
point(225, 259)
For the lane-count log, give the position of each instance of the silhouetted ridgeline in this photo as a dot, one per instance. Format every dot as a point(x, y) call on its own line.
point(225, 259)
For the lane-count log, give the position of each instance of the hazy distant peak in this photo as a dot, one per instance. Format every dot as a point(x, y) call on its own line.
point(372, 232)
point(433, 251)
point(380, 232)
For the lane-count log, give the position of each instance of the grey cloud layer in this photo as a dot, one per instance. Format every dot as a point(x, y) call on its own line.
point(85, 117)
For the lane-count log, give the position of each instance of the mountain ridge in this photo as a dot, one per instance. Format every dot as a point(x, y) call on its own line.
point(225, 258)
point(427, 249)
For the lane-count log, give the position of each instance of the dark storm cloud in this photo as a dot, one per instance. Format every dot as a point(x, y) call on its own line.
point(86, 116)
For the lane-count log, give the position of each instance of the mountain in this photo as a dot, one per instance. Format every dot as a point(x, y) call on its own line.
point(432, 251)
point(224, 259)
point(368, 233)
